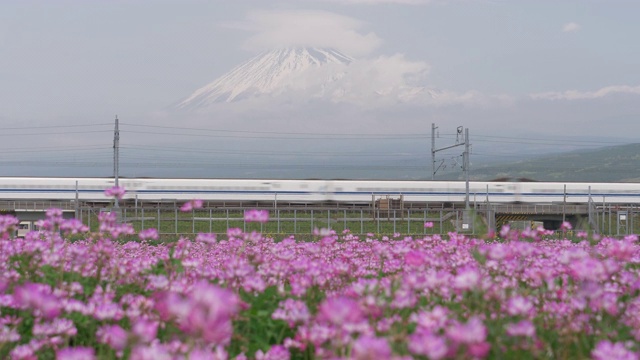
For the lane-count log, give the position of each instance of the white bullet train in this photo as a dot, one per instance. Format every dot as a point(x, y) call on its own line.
point(313, 191)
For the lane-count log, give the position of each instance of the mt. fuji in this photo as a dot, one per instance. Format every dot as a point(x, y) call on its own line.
point(307, 73)
point(267, 73)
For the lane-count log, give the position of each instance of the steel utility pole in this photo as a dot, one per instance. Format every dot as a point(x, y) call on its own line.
point(433, 150)
point(465, 164)
point(116, 163)
point(465, 157)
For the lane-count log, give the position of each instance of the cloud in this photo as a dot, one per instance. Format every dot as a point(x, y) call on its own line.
point(571, 27)
point(310, 28)
point(375, 2)
point(582, 95)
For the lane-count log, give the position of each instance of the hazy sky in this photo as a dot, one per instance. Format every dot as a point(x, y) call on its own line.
point(505, 67)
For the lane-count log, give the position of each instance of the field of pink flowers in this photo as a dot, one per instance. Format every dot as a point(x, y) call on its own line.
point(66, 293)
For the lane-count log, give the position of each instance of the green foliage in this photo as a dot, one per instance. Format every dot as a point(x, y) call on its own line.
point(254, 329)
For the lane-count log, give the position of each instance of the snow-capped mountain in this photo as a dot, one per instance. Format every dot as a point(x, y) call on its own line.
point(313, 73)
point(267, 73)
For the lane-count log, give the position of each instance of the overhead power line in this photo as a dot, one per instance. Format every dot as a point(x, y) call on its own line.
point(52, 126)
point(274, 132)
point(55, 133)
point(266, 153)
point(308, 137)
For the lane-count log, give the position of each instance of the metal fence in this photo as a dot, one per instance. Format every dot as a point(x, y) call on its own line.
point(292, 220)
point(605, 219)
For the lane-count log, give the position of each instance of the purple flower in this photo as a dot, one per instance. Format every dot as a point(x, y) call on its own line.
point(8, 223)
point(8, 335)
point(473, 332)
point(145, 330)
point(23, 352)
point(115, 192)
point(292, 311)
point(340, 311)
point(149, 234)
point(566, 226)
point(523, 328)
point(277, 352)
point(504, 231)
point(113, 335)
point(467, 279)
point(205, 311)
point(73, 226)
point(261, 216)
point(191, 204)
point(152, 352)
point(76, 353)
point(369, 347)
point(432, 346)
point(606, 350)
point(519, 305)
point(479, 350)
point(36, 297)
point(414, 258)
point(207, 238)
point(54, 213)
point(58, 326)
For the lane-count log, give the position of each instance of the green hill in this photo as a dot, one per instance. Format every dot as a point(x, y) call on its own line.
point(609, 164)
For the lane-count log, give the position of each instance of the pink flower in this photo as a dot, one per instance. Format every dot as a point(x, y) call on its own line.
point(473, 332)
point(207, 354)
point(234, 232)
point(35, 296)
point(606, 350)
point(205, 311)
point(434, 347)
point(566, 226)
point(589, 269)
point(523, 328)
point(414, 258)
point(76, 353)
point(369, 347)
point(113, 335)
point(504, 231)
point(292, 311)
point(148, 234)
point(277, 352)
point(73, 226)
point(8, 223)
point(340, 310)
point(519, 305)
point(145, 330)
point(191, 204)
point(467, 279)
point(428, 224)
point(24, 352)
point(115, 192)
point(58, 326)
point(261, 216)
point(479, 350)
point(8, 335)
point(432, 321)
point(207, 238)
point(54, 213)
point(621, 249)
point(155, 351)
